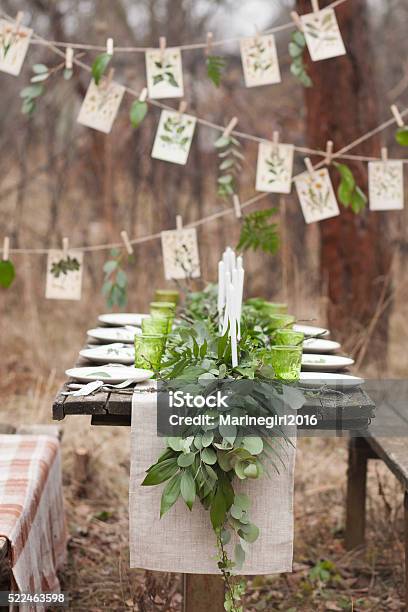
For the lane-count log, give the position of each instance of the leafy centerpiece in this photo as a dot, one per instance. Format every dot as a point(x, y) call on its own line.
point(205, 464)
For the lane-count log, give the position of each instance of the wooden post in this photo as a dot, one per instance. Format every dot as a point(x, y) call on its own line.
point(203, 593)
point(81, 466)
point(356, 492)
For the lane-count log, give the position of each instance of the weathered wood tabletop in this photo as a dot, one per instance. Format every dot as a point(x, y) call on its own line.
point(349, 410)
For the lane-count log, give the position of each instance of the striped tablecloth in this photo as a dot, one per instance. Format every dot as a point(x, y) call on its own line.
point(31, 510)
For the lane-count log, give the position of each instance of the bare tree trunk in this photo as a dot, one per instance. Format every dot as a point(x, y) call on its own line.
point(342, 105)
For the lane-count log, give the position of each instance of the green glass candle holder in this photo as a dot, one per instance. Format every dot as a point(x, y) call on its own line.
point(149, 349)
point(287, 337)
point(286, 362)
point(167, 295)
point(280, 321)
point(163, 309)
point(156, 325)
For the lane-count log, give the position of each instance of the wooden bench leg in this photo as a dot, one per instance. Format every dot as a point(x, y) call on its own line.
point(356, 492)
point(203, 593)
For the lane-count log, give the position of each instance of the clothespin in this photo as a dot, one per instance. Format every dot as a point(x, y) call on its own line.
point(227, 132)
point(162, 46)
point(309, 166)
point(397, 115)
point(19, 19)
point(109, 46)
point(275, 140)
point(296, 20)
point(315, 6)
point(237, 206)
point(257, 34)
point(65, 247)
point(143, 95)
point(182, 107)
point(179, 222)
point(6, 248)
point(329, 152)
point(210, 38)
point(126, 242)
point(384, 154)
point(69, 56)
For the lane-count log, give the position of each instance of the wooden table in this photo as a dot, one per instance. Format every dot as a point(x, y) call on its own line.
point(206, 592)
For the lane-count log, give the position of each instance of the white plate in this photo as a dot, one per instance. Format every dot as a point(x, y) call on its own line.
point(325, 363)
point(317, 379)
point(121, 319)
point(309, 330)
point(114, 334)
point(317, 345)
point(110, 353)
point(109, 374)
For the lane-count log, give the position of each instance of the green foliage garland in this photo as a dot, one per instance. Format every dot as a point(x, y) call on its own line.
point(203, 466)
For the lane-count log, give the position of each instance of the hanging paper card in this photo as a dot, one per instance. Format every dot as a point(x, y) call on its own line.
point(164, 73)
point(322, 34)
point(64, 275)
point(101, 105)
point(14, 42)
point(316, 195)
point(260, 61)
point(173, 137)
point(386, 185)
point(180, 254)
point(274, 168)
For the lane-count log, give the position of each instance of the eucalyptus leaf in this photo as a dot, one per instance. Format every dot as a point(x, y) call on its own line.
point(188, 488)
point(170, 494)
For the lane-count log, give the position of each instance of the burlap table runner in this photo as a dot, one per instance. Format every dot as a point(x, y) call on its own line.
point(183, 541)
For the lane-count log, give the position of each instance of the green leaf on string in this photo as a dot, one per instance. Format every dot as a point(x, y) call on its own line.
point(215, 67)
point(99, 66)
point(297, 45)
point(7, 273)
point(401, 135)
point(29, 95)
point(348, 192)
point(138, 112)
point(259, 233)
point(230, 165)
point(115, 281)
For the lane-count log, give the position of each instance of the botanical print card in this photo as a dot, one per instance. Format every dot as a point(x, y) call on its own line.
point(274, 168)
point(14, 42)
point(64, 275)
point(101, 105)
point(322, 34)
point(386, 185)
point(316, 195)
point(164, 73)
point(173, 137)
point(180, 254)
point(260, 61)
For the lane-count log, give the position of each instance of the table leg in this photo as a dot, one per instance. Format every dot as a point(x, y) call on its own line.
point(203, 593)
point(356, 492)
